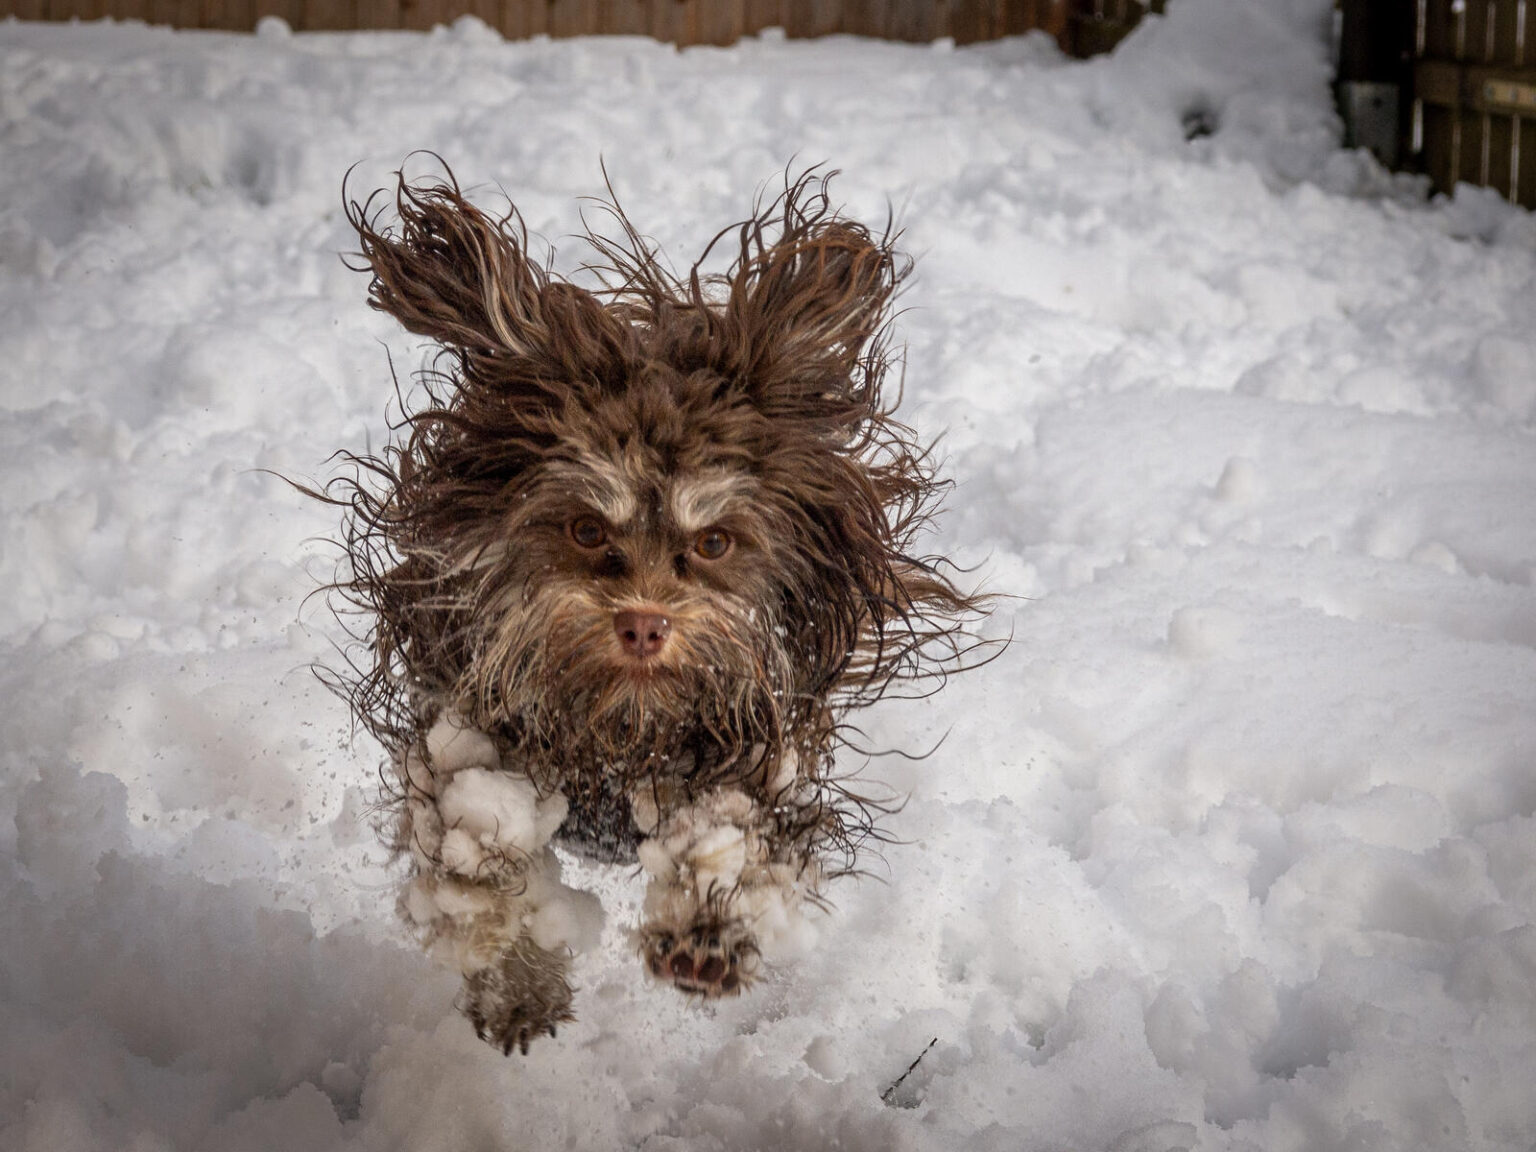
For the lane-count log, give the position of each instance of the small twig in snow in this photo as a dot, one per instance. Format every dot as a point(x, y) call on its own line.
point(887, 1094)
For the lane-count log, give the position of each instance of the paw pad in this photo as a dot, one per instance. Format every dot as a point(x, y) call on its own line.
point(709, 960)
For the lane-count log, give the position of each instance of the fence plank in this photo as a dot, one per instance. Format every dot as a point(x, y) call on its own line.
point(1506, 29)
point(290, 10)
point(1439, 41)
point(1500, 144)
point(572, 17)
point(1440, 145)
point(521, 19)
point(487, 10)
point(229, 15)
point(721, 22)
point(1474, 17)
point(970, 20)
point(382, 14)
point(73, 10)
point(1472, 147)
point(671, 20)
point(1020, 16)
point(866, 17)
point(1055, 15)
point(807, 18)
point(623, 17)
point(241, 15)
point(330, 15)
point(762, 14)
point(920, 21)
point(1525, 179)
point(417, 15)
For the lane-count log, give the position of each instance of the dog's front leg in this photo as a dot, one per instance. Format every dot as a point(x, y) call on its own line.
point(485, 886)
point(729, 879)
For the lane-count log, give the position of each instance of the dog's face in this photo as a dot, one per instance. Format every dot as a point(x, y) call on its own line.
point(667, 522)
point(640, 580)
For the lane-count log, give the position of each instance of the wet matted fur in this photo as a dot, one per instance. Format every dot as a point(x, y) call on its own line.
point(632, 556)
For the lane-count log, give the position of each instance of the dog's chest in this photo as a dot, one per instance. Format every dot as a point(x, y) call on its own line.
point(600, 824)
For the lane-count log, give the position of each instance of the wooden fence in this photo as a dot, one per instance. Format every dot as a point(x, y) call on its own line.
point(1081, 26)
point(1474, 94)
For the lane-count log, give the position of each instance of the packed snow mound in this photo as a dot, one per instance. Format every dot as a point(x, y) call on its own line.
point(1234, 847)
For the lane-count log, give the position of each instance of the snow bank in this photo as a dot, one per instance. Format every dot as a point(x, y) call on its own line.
point(1233, 848)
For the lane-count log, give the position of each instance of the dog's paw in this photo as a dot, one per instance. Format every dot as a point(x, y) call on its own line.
point(709, 959)
point(517, 998)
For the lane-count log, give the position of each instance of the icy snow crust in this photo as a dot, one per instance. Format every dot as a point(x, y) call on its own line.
point(1234, 848)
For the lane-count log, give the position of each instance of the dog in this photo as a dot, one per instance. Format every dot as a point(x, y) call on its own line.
point(632, 556)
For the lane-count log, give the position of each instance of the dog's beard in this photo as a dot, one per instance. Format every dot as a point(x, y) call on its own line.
point(549, 676)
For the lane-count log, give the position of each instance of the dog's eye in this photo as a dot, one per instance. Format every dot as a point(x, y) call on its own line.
point(712, 543)
point(588, 532)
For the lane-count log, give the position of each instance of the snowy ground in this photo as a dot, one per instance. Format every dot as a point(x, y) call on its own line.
point(1234, 848)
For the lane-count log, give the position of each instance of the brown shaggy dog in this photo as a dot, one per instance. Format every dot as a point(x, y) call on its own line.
point(633, 554)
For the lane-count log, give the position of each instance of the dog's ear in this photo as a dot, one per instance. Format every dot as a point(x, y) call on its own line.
point(448, 271)
point(811, 306)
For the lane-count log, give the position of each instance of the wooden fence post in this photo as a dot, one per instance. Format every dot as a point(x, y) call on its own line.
point(1374, 61)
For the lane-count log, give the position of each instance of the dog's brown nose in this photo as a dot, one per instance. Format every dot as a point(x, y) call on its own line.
point(642, 634)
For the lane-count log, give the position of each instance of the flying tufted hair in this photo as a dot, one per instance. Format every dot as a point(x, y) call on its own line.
point(778, 365)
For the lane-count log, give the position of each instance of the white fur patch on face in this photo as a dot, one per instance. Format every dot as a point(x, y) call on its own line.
point(602, 483)
point(699, 501)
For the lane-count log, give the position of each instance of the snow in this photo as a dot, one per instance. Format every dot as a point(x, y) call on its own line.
point(1233, 848)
